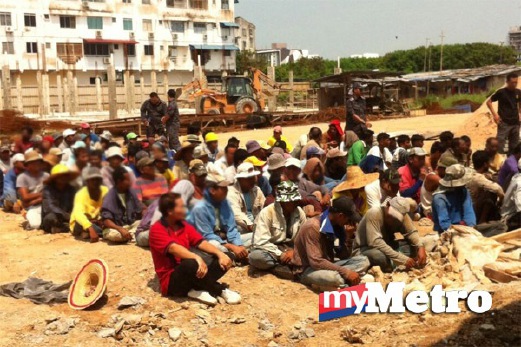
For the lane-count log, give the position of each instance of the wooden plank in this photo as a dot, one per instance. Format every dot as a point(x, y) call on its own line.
point(514, 234)
point(498, 276)
point(513, 242)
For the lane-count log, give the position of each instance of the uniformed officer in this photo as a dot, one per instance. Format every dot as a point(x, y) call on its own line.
point(171, 121)
point(152, 111)
point(356, 120)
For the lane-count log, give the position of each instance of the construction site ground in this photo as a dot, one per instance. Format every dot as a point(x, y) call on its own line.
point(289, 307)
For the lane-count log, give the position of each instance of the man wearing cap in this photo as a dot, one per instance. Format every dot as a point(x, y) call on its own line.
point(85, 220)
point(276, 163)
point(336, 165)
point(213, 218)
point(152, 111)
point(276, 228)
point(383, 189)
point(262, 181)
point(254, 149)
point(150, 185)
point(86, 129)
point(192, 189)
point(30, 187)
point(375, 237)
point(277, 136)
point(359, 149)
point(246, 198)
point(355, 110)
point(212, 145)
point(452, 203)
point(131, 138)
point(312, 152)
point(183, 157)
point(314, 249)
point(58, 139)
point(47, 144)
point(413, 174)
point(115, 159)
point(121, 210)
point(5, 159)
point(161, 165)
point(58, 199)
point(171, 121)
point(68, 139)
point(9, 198)
point(511, 208)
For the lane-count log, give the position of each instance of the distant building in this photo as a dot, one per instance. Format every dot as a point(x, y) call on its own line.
point(365, 55)
point(280, 54)
point(246, 35)
point(514, 38)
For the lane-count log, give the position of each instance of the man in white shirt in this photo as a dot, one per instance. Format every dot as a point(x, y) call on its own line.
point(511, 209)
point(5, 159)
point(382, 150)
point(384, 189)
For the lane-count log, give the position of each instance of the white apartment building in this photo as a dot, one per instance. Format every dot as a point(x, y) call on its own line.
point(139, 35)
point(245, 35)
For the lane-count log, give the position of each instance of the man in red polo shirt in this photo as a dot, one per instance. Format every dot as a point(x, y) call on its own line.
point(178, 251)
point(413, 174)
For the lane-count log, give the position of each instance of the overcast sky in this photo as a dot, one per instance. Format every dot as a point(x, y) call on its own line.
point(334, 28)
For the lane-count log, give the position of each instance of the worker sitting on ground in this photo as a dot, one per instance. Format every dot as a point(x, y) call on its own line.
point(400, 154)
point(375, 237)
point(413, 174)
point(277, 136)
point(359, 149)
point(30, 187)
point(511, 209)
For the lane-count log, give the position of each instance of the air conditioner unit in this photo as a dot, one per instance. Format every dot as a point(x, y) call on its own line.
point(151, 36)
point(85, 4)
point(8, 29)
point(175, 36)
point(205, 37)
point(131, 35)
point(106, 60)
point(99, 34)
point(225, 38)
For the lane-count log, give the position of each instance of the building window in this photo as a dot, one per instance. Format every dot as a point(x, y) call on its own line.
point(96, 0)
point(145, 2)
point(147, 25)
point(199, 4)
point(131, 50)
point(29, 20)
point(48, 45)
point(243, 32)
point(127, 24)
point(31, 47)
point(225, 5)
point(95, 23)
point(225, 32)
point(149, 49)
point(227, 53)
point(176, 3)
point(96, 49)
point(5, 19)
point(200, 28)
point(127, 1)
point(7, 47)
point(68, 22)
point(177, 27)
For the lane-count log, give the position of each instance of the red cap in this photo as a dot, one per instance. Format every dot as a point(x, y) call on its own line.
point(145, 144)
point(85, 125)
point(49, 139)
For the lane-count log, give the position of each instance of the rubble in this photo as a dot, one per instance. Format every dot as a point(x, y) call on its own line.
point(174, 334)
point(106, 332)
point(60, 326)
point(130, 301)
point(351, 335)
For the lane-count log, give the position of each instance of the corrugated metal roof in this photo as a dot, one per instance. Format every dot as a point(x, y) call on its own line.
point(461, 75)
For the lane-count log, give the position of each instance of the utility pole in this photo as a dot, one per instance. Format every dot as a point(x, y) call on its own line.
point(441, 51)
point(430, 56)
point(501, 52)
point(425, 59)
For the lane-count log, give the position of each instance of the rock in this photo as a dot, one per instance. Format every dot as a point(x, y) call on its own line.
point(185, 305)
point(294, 335)
point(267, 335)
point(367, 278)
point(273, 344)
point(203, 315)
point(204, 342)
point(119, 326)
point(351, 335)
point(444, 250)
point(237, 320)
point(309, 332)
point(60, 326)
point(129, 301)
point(133, 319)
point(265, 325)
point(378, 274)
point(487, 327)
point(174, 334)
point(297, 326)
point(106, 332)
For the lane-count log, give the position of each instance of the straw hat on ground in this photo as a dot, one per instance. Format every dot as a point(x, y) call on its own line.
point(89, 284)
point(356, 179)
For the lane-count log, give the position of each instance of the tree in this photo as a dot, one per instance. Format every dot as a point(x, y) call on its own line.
point(247, 59)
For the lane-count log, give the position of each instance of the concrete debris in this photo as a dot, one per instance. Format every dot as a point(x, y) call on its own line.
point(130, 301)
point(309, 332)
point(273, 344)
point(237, 320)
point(61, 326)
point(377, 273)
point(106, 332)
point(367, 278)
point(265, 325)
point(351, 335)
point(174, 334)
point(119, 326)
point(132, 319)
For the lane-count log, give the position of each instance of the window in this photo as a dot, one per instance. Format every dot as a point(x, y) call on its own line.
point(46, 17)
point(68, 22)
point(149, 49)
point(7, 47)
point(172, 51)
point(243, 32)
point(225, 5)
point(127, 1)
point(127, 24)
point(114, 20)
point(147, 25)
point(95, 22)
point(177, 27)
point(96, 0)
point(225, 32)
point(96, 49)
point(145, 2)
point(131, 50)
point(200, 28)
point(48, 45)
point(227, 53)
point(30, 20)
point(199, 4)
point(176, 3)
point(5, 19)
point(31, 47)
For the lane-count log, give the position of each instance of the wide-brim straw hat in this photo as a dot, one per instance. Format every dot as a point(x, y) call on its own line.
point(356, 179)
point(184, 146)
point(61, 170)
point(89, 285)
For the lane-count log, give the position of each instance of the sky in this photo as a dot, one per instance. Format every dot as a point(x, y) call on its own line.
point(332, 28)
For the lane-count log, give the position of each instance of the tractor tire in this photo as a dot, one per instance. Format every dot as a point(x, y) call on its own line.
point(213, 111)
point(246, 106)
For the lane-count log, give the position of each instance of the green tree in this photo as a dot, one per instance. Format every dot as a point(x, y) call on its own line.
point(247, 59)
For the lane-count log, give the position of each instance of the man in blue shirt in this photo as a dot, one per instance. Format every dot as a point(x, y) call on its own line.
point(9, 197)
point(452, 204)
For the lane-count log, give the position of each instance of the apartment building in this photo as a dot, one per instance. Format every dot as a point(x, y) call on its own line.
point(245, 35)
point(514, 38)
point(85, 36)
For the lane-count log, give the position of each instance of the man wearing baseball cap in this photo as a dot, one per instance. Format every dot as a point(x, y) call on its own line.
point(277, 136)
point(413, 174)
point(246, 198)
point(314, 251)
point(336, 166)
point(9, 198)
point(30, 187)
point(192, 188)
point(375, 237)
point(211, 141)
point(86, 129)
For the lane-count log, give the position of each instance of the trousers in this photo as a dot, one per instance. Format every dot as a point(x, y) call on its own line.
point(172, 130)
point(510, 133)
point(113, 235)
point(52, 220)
point(329, 278)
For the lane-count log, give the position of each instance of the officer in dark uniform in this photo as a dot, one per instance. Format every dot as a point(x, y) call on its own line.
point(172, 122)
point(152, 111)
point(356, 120)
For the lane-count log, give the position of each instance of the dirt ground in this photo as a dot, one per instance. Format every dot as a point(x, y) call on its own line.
point(291, 308)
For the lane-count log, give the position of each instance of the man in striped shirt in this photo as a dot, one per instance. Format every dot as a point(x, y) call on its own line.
point(149, 186)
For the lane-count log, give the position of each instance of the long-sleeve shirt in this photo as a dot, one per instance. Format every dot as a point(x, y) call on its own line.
point(506, 172)
point(372, 232)
point(479, 185)
point(240, 210)
point(9, 191)
point(108, 181)
point(153, 112)
point(357, 153)
point(85, 209)
point(355, 105)
point(173, 112)
point(204, 219)
point(121, 213)
point(452, 207)
point(512, 201)
point(272, 229)
point(59, 202)
point(410, 184)
point(149, 190)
